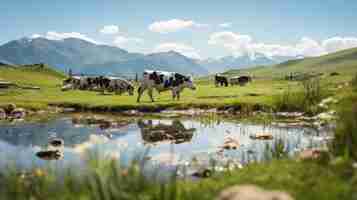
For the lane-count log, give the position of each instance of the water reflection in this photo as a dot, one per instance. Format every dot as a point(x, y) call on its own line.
point(175, 142)
point(175, 132)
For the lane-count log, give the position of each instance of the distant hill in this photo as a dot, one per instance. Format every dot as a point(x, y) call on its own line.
point(167, 61)
point(85, 57)
point(241, 62)
point(37, 75)
point(344, 61)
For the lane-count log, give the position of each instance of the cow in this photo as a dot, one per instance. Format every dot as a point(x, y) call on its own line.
point(119, 86)
point(240, 80)
point(72, 82)
point(164, 81)
point(220, 80)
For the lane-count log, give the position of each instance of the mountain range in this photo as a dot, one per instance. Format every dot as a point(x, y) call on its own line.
point(241, 62)
point(84, 57)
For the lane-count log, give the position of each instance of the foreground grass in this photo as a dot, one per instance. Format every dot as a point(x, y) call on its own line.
point(302, 179)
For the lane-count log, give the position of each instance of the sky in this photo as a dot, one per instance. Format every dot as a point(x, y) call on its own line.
point(196, 28)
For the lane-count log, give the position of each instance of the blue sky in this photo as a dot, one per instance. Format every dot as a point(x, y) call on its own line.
point(196, 28)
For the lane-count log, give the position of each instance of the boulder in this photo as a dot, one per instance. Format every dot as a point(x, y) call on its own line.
point(252, 192)
point(262, 136)
point(18, 113)
point(230, 144)
point(205, 173)
point(50, 154)
point(311, 154)
point(56, 142)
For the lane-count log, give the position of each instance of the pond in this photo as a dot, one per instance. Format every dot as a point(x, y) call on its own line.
point(162, 142)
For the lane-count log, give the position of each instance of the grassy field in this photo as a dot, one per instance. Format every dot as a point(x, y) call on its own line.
point(260, 92)
point(330, 178)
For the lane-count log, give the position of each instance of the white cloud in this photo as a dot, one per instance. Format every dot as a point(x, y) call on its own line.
point(239, 44)
point(121, 41)
point(174, 25)
point(236, 43)
point(52, 35)
point(309, 47)
point(184, 49)
point(339, 43)
point(35, 36)
point(225, 25)
point(109, 30)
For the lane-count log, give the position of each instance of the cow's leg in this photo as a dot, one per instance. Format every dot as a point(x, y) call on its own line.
point(173, 94)
point(140, 92)
point(150, 94)
point(178, 95)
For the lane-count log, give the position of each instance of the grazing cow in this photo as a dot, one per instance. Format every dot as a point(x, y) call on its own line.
point(119, 86)
point(240, 80)
point(164, 81)
point(72, 82)
point(220, 80)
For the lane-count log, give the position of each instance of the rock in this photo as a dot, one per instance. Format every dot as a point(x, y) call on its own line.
point(2, 114)
point(326, 116)
point(252, 192)
point(9, 108)
point(311, 154)
point(68, 110)
point(230, 144)
point(50, 154)
point(289, 114)
point(262, 136)
point(56, 142)
point(18, 113)
point(205, 173)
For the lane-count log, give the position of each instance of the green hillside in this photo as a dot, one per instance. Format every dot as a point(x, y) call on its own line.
point(343, 62)
point(36, 75)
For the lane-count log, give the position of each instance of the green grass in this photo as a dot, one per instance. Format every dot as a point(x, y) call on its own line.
point(343, 62)
point(105, 180)
point(260, 92)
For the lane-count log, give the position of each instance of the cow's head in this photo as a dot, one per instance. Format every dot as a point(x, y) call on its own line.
point(188, 82)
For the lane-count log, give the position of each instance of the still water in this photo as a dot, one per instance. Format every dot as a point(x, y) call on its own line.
point(198, 140)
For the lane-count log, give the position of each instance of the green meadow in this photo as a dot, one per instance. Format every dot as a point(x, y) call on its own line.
point(268, 82)
point(332, 176)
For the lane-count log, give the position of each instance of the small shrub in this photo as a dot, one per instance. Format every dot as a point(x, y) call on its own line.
point(345, 143)
point(304, 99)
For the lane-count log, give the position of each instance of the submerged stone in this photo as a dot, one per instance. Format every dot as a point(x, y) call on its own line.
point(262, 136)
point(50, 154)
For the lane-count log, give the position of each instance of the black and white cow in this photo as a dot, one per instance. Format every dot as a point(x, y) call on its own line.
point(220, 80)
point(240, 80)
point(99, 83)
point(119, 86)
point(164, 81)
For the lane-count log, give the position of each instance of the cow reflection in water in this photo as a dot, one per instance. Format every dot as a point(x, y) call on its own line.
point(175, 132)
